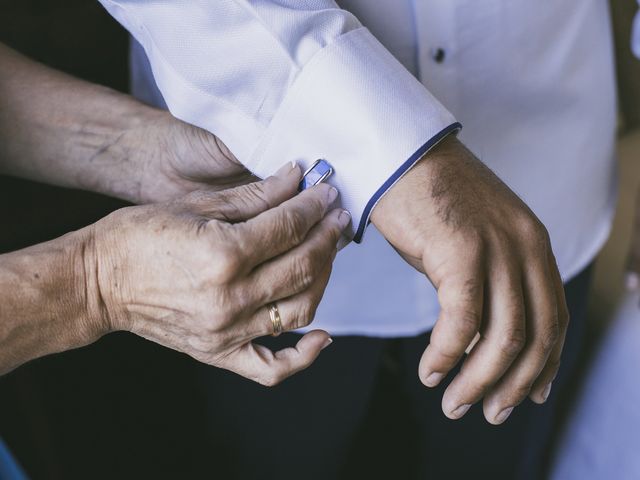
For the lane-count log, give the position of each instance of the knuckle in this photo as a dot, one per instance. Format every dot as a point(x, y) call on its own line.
point(321, 252)
point(316, 199)
point(200, 197)
point(549, 336)
point(319, 206)
point(329, 234)
point(474, 242)
point(518, 393)
point(482, 385)
point(308, 312)
point(230, 205)
point(499, 237)
point(535, 234)
point(303, 315)
point(466, 322)
point(512, 342)
point(226, 265)
point(227, 209)
point(446, 351)
point(256, 194)
point(478, 385)
point(302, 272)
point(293, 224)
point(462, 298)
point(296, 322)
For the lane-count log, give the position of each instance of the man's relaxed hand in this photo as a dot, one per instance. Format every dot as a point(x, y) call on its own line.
point(491, 262)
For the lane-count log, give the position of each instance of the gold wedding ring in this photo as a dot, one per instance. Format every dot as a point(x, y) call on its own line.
point(276, 321)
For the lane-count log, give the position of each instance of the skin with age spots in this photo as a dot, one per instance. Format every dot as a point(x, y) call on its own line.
point(196, 274)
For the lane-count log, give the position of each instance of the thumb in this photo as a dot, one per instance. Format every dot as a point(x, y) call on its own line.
point(247, 201)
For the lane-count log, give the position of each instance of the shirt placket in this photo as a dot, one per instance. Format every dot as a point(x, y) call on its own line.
point(435, 26)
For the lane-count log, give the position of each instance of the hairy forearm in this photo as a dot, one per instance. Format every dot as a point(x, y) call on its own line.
point(60, 130)
point(48, 302)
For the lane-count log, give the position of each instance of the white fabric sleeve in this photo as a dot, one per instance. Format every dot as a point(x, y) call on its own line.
point(283, 80)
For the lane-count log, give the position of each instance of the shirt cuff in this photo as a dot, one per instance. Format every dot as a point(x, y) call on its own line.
point(398, 174)
point(355, 106)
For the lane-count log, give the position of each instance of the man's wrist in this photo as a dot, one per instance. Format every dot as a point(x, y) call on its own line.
point(419, 180)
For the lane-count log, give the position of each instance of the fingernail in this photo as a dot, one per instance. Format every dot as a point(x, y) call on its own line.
point(434, 379)
point(327, 342)
point(333, 194)
point(460, 411)
point(286, 169)
point(546, 392)
point(344, 219)
point(503, 415)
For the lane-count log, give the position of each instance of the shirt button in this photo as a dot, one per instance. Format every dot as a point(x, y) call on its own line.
point(438, 55)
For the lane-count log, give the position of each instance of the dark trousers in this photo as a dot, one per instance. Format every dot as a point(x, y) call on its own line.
point(128, 408)
point(361, 412)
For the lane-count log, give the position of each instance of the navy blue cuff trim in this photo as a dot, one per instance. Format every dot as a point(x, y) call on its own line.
point(364, 220)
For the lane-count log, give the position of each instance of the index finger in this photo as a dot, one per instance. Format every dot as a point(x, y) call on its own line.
point(282, 228)
point(247, 201)
point(461, 298)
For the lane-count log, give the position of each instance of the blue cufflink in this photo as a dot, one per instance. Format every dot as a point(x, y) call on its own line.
point(317, 173)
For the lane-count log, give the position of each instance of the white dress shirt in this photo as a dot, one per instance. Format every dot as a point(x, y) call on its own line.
point(290, 80)
point(532, 82)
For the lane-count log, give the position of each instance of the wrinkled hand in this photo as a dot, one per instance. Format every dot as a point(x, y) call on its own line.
point(180, 158)
point(491, 262)
point(196, 274)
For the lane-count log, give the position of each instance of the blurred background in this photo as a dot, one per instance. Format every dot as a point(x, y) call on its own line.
point(96, 409)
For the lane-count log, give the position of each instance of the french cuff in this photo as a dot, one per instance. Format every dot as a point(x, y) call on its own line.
point(355, 106)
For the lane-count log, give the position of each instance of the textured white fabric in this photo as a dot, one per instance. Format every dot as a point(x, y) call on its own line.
point(287, 80)
point(533, 84)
